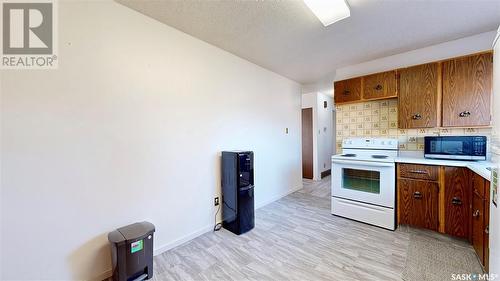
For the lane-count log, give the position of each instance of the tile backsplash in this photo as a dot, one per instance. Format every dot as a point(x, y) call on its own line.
point(380, 119)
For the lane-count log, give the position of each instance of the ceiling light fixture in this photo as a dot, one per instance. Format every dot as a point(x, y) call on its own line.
point(329, 11)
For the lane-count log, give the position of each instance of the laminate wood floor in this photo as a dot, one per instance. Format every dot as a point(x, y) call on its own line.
point(295, 238)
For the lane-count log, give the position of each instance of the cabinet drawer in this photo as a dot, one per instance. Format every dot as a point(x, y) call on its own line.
point(417, 171)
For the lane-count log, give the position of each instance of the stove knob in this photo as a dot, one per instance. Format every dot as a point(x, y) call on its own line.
point(382, 142)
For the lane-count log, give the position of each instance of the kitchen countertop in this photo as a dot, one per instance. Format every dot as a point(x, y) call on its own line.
point(479, 167)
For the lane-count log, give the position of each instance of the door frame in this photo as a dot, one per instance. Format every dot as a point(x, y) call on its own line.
point(307, 138)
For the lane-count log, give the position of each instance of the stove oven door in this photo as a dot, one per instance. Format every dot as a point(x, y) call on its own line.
point(364, 181)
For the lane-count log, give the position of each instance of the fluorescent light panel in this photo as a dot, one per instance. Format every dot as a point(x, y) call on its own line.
point(329, 11)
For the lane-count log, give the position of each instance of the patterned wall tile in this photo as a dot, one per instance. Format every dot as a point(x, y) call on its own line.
point(380, 119)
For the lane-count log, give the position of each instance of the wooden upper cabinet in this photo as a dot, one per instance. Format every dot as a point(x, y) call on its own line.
point(419, 89)
point(348, 90)
point(467, 89)
point(380, 85)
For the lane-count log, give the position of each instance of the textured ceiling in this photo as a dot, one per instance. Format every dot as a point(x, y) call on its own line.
point(285, 37)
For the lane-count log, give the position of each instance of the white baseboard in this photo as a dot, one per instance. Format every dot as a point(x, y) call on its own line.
point(191, 236)
point(278, 197)
point(182, 240)
point(209, 228)
point(103, 276)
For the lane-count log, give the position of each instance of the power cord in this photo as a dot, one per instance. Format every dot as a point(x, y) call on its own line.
point(217, 226)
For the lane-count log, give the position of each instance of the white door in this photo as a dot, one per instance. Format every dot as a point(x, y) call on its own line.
point(368, 182)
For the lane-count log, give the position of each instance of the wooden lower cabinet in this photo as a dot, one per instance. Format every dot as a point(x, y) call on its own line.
point(480, 218)
point(478, 225)
point(419, 203)
point(457, 206)
point(486, 262)
point(404, 200)
point(454, 203)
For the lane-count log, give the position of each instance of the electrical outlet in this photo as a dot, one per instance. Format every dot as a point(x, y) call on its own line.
point(216, 201)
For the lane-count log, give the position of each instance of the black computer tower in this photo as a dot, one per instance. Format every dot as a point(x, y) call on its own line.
point(238, 213)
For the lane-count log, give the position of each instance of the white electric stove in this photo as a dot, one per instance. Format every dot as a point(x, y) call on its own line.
point(363, 181)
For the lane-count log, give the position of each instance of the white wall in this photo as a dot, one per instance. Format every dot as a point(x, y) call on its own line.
point(322, 131)
point(130, 128)
point(325, 132)
point(1, 180)
point(495, 210)
point(324, 86)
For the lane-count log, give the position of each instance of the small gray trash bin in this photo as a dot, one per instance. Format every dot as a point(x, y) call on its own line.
point(132, 251)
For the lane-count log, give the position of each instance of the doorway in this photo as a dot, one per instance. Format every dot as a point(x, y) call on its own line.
point(307, 143)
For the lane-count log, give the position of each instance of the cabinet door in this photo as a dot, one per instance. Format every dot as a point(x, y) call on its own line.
point(418, 203)
point(348, 90)
point(486, 229)
point(457, 206)
point(418, 96)
point(467, 86)
point(478, 225)
point(425, 204)
point(404, 201)
point(380, 85)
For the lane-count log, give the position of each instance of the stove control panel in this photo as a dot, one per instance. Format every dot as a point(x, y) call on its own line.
point(370, 143)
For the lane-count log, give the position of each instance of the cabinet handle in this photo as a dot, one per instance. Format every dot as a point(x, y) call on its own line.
point(420, 172)
point(346, 92)
point(417, 195)
point(476, 213)
point(464, 114)
point(417, 116)
point(487, 229)
point(456, 201)
point(378, 87)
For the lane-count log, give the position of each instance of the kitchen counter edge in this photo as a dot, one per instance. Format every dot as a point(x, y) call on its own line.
point(478, 167)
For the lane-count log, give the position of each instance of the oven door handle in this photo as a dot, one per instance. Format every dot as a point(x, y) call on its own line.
point(364, 163)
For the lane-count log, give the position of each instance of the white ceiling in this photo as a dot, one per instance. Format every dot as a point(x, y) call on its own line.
point(285, 37)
